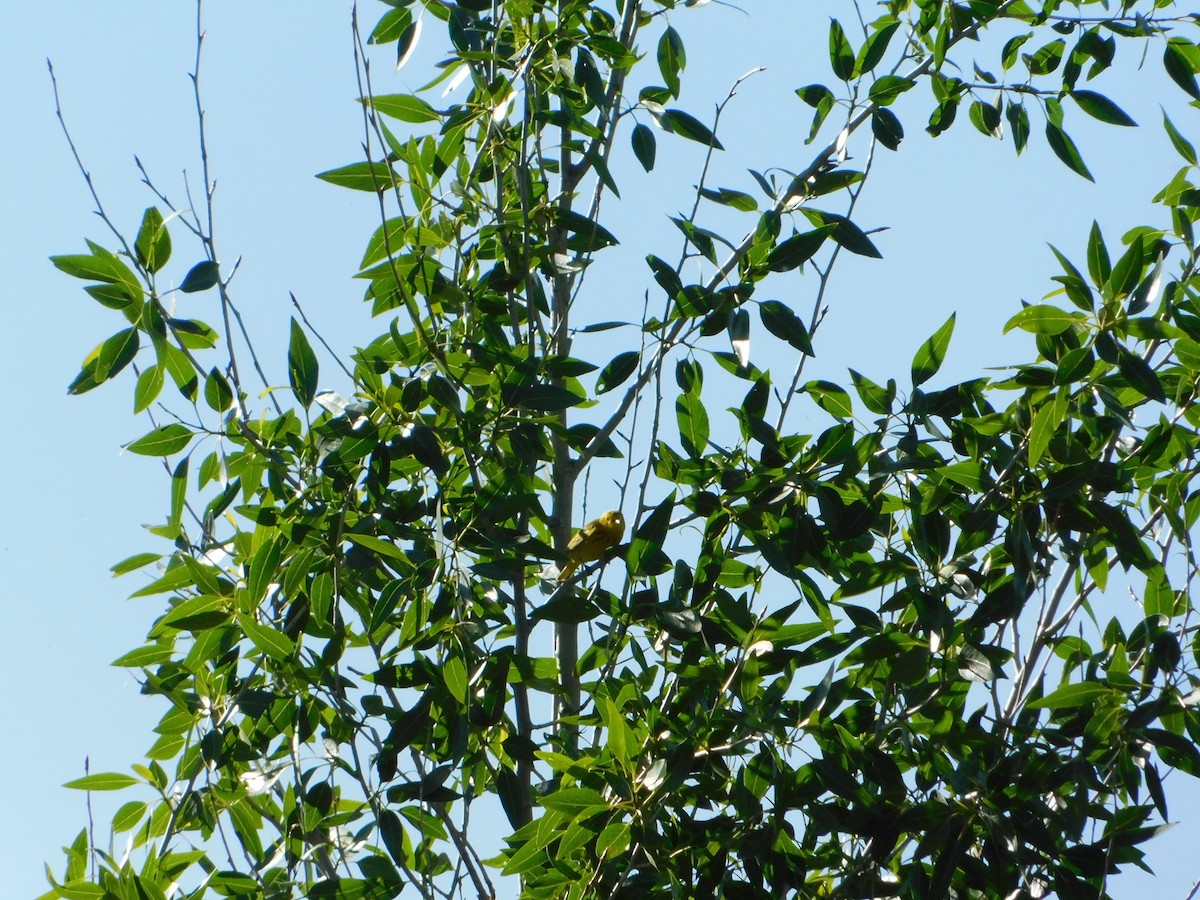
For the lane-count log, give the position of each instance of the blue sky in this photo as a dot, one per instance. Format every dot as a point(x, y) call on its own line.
point(968, 227)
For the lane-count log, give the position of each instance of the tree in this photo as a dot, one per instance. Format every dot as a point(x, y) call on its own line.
point(870, 661)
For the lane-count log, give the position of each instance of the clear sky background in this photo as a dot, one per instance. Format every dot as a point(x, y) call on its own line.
point(968, 227)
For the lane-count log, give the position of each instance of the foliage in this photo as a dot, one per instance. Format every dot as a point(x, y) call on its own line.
point(877, 660)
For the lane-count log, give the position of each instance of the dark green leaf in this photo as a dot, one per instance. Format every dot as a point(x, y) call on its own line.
point(1182, 146)
point(116, 353)
point(643, 146)
point(303, 371)
point(1100, 107)
point(217, 392)
point(1064, 148)
point(1179, 67)
point(676, 121)
point(618, 370)
point(887, 128)
point(798, 249)
point(779, 319)
point(845, 232)
point(871, 52)
point(1018, 124)
point(585, 235)
point(739, 200)
point(200, 277)
point(1140, 376)
point(394, 839)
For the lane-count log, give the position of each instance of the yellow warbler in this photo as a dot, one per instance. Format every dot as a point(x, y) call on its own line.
point(593, 540)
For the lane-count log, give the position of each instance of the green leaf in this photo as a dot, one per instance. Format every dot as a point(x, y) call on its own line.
point(1070, 696)
point(932, 353)
point(886, 88)
point(390, 26)
point(1018, 125)
point(200, 277)
point(1045, 422)
point(303, 371)
point(1182, 146)
point(739, 200)
point(129, 815)
point(575, 802)
point(149, 386)
point(1008, 56)
point(676, 121)
point(1099, 266)
point(672, 58)
point(153, 244)
point(405, 107)
point(102, 781)
point(164, 441)
point(116, 353)
point(1126, 274)
point(986, 119)
point(841, 54)
point(1064, 148)
point(1046, 59)
point(372, 177)
point(273, 643)
point(693, 424)
point(99, 266)
point(133, 563)
point(217, 392)
point(643, 145)
point(618, 370)
point(1043, 319)
point(830, 397)
point(872, 51)
point(779, 319)
point(1188, 352)
point(454, 672)
point(874, 398)
point(1100, 107)
point(816, 95)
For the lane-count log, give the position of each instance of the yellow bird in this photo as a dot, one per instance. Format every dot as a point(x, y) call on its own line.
point(593, 540)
